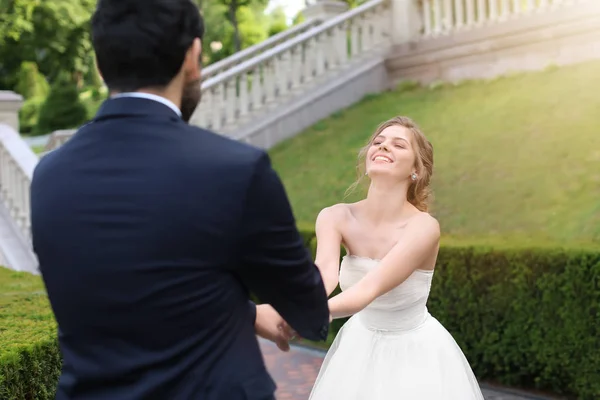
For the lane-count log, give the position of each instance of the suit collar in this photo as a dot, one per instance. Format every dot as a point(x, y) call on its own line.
point(150, 96)
point(129, 106)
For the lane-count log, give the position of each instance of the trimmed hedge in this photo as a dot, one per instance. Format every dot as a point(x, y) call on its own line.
point(524, 317)
point(30, 361)
point(528, 318)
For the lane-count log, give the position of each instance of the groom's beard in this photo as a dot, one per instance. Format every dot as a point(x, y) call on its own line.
point(189, 99)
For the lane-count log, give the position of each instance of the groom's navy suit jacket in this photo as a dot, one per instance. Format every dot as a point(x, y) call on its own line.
point(150, 234)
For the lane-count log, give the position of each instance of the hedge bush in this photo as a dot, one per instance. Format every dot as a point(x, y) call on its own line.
point(524, 317)
point(62, 109)
point(528, 318)
point(29, 357)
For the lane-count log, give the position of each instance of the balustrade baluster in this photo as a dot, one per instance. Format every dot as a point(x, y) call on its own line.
point(270, 77)
point(493, 10)
point(448, 20)
point(354, 37)
point(481, 11)
point(470, 12)
point(217, 120)
point(437, 17)
point(244, 99)
point(529, 5)
point(505, 11)
point(427, 17)
point(308, 61)
point(459, 13)
point(517, 7)
point(256, 89)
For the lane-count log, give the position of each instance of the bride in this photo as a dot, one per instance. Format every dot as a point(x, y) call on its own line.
point(391, 348)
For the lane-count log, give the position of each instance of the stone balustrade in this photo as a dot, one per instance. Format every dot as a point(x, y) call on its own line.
point(255, 86)
point(246, 54)
point(442, 17)
point(17, 162)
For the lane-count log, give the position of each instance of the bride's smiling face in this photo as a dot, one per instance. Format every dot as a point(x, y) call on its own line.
point(391, 154)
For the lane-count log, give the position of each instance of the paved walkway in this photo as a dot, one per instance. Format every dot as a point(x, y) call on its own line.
point(296, 371)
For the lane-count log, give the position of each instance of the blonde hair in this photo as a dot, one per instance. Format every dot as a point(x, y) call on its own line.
point(419, 192)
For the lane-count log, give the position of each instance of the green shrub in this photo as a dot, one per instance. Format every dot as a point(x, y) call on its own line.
point(62, 109)
point(524, 317)
point(29, 114)
point(29, 357)
point(30, 83)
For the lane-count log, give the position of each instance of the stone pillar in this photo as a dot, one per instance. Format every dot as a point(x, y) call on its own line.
point(325, 9)
point(10, 104)
point(407, 20)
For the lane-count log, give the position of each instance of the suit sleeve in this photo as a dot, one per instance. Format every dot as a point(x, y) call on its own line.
point(276, 265)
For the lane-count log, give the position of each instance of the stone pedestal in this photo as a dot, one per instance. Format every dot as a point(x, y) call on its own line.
point(407, 20)
point(10, 104)
point(325, 9)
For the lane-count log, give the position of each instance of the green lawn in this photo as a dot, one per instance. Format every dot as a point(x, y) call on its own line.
point(514, 157)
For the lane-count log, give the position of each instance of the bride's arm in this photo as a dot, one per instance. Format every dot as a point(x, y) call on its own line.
point(329, 241)
point(420, 238)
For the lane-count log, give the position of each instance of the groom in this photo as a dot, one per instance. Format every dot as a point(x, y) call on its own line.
point(150, 233)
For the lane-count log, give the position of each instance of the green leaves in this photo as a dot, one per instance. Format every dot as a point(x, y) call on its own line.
point(54, 34)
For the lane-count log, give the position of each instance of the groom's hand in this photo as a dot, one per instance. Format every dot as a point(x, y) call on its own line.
point(271, 326)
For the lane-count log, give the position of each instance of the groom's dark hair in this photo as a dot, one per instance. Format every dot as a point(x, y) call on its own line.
point(142, 43)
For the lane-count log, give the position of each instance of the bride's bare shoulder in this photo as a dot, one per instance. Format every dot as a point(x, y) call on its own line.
point(426, 223)
point(336, 214)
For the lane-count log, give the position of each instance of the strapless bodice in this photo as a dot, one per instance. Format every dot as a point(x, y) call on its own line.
point(402, 308)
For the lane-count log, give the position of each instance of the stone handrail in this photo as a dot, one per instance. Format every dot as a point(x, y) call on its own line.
point(255, 85)
point(58, 138)
point(443, 17)
point(17, 162)
point(252, 51)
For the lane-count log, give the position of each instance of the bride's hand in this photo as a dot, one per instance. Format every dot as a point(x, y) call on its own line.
point(271, 326)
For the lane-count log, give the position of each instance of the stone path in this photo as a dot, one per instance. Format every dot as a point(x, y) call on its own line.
point(296, 371)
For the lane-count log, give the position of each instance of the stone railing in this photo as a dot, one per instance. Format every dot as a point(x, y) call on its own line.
point(17, 162)
point(58, 138)
point(235, 59)
point(442, 17)
point(256, 85)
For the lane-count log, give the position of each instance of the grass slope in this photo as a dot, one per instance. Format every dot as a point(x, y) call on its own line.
point(514, 157)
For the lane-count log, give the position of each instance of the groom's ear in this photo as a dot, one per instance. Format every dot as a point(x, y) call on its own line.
point(191, 64)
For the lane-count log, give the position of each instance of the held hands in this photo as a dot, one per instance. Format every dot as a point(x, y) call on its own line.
point(271, 326)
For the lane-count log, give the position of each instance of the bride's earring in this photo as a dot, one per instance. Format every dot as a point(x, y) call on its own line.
point(413, 176)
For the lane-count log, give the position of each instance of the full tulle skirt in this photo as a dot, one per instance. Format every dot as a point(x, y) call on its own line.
point(423, 363)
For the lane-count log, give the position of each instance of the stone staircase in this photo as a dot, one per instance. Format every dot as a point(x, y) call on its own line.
point(274, 90)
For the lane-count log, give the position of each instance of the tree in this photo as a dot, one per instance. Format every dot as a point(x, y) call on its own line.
point(232, 9)
point(277, 21)
point(54, 34)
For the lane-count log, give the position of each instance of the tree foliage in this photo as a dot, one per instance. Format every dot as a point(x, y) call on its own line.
point(53, 34)
point(43, 41)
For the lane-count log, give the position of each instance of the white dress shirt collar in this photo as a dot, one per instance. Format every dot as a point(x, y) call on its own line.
point(150, 96)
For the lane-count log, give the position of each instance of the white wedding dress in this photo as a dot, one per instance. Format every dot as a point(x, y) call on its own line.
point(394, 349)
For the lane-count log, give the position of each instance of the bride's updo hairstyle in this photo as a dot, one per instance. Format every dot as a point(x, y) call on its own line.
point(419, 192)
